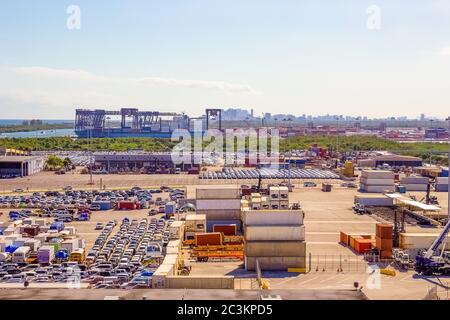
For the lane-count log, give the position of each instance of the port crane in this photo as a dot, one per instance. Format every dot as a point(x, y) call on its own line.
point(428, 262)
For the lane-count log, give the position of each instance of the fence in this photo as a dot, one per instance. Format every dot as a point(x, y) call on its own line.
point(347, 264)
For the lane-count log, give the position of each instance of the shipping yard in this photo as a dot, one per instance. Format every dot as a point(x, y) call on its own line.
point(297, 237)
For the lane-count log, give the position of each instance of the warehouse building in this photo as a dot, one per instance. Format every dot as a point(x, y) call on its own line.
point(392, 160)
point(20, 166)
point(149, 162)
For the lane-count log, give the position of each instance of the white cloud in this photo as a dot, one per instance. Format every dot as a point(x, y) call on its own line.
point(83, 75)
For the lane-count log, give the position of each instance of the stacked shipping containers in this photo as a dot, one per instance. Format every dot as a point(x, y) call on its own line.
point(220, 205)
point(276, 238)
point(415, 183)
point(377, 181)
point(384, 239)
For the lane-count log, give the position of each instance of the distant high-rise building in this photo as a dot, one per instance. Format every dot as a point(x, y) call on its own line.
point(422, 116)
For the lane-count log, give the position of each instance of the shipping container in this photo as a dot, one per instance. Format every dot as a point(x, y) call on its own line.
point(218, 192)
point(70, 245)
point(218, 204)
point(159, 276)
point(267, 217)
point(352, 239)
point(383, 244)
point(275, 263)
point(374, 200)
point(362, 245)
point(33, 244)
point(176, 230)
point(126, 205)
point(415, 187)
point(275, 248)
point(287, 233)
point(420, 240)
point(222, 214)
point(378, 174)
point(377, 189)
point(377, 182)
point(31, 230)
point(384, 230)
point(226, 229)
point(213, 238)
point(104, 205)
point(414, 180)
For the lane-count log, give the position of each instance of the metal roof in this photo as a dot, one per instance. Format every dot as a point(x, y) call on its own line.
point(17, 158)
point(417, 204)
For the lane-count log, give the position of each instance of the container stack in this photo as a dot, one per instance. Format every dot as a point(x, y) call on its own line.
point(377, 181)
point(361, 243)
point(274, 237)
point(441, 184)
point(194, 223)
point(220, 205)
point(415, 183)
point(384, 240)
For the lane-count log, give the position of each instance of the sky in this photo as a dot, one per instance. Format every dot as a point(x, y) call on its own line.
point(352, 57)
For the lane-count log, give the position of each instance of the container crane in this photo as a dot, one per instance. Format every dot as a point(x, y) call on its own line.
point(428, 263)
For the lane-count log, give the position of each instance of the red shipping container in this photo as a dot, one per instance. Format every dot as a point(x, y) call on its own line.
point(362, 245)
point(211, 239)
point(226, 229)
point(383, 244)
point(126, 205)
point(384, 230)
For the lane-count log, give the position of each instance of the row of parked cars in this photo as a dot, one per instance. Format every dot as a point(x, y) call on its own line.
point(128, 258)
point(267, 173)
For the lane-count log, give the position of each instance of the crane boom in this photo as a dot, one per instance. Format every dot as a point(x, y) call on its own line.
point(436, 244)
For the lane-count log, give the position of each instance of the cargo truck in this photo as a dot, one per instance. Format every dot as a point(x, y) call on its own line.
point(21, 254)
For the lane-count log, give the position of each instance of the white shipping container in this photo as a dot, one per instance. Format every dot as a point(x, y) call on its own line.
point(159, 277)
point(218, 192)
point(277, 233)
point(377, 182)
point(414, 180)
point(275, 263)
point(415, 187)
point(442, 180)
point(218, 204)
point(374, 200)
point(218, 214)
point(378, 174)
point(275, 248)
point(419, 240)
point(273, 218)
point(441, 187)
point(72, 230)
point(377, 189)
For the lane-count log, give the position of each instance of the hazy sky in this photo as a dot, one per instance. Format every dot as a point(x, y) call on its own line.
point(312, 57)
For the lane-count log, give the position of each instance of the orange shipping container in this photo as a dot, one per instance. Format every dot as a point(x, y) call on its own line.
point(366, 236)
point(226, 229)
point(352, 240)
point(384, 244)
point(384, 230)
point(362, 245)
point(212, 239)
point(344, 238)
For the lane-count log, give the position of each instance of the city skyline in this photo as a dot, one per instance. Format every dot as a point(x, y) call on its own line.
point(294, 57)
